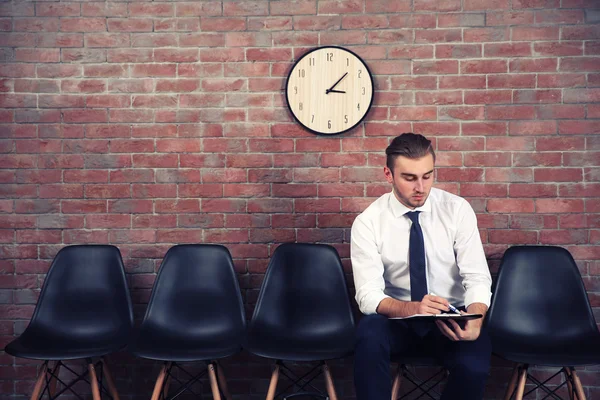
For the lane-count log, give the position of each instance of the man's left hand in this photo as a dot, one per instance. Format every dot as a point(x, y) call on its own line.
point(453, 331)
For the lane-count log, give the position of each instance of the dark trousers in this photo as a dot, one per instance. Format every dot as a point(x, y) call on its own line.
point(378, 337)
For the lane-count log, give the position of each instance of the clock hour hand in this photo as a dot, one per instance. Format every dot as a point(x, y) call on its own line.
point(335, 91)
point(335, 84)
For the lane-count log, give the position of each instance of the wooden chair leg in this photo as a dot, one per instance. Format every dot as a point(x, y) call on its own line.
point(53, 380)
point(567, 373)
point(94, 381)
point(273, 383)
point(522, 380)
point(222, 381)
point(40, 382)
point(160, 380)
point(578, 387)
point(109, 380)
point(214, 386)
point(512, 383)
point(329, 382)
point(166, 387)
point(397, 383)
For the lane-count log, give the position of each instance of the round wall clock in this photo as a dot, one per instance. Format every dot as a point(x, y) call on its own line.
point(329, 90)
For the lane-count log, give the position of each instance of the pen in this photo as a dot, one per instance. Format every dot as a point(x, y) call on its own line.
point(450, 306)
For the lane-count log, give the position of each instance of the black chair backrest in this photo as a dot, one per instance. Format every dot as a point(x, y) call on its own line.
point(196, 293)
point(85, 294)
point(304, 292)
point(540, 298)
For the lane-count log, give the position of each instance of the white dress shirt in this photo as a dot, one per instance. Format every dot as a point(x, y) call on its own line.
point(455, 261)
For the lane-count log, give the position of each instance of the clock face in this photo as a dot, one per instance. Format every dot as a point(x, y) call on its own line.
point(329, 90)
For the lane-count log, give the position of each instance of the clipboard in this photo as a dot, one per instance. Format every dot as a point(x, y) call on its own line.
point(433, 317)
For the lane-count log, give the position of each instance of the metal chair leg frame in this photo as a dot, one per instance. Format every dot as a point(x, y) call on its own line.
point(412, 378)
point(301, 382)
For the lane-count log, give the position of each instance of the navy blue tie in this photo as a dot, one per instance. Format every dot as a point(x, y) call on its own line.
point(416, 259)
point(416, 264)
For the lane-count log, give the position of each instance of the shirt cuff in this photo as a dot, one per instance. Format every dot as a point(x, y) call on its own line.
point(478, 294)
point(371, 301)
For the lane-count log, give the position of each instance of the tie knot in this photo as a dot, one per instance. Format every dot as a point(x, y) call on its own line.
point(414, 216)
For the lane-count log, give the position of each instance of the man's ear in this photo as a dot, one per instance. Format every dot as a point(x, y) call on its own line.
point(389, 174)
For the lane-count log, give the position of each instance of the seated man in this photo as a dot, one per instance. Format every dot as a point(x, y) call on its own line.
point(407, 245)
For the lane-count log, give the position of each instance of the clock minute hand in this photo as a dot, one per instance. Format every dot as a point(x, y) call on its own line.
point(335, 84)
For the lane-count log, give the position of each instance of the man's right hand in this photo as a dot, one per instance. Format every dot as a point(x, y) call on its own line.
point(431, 305)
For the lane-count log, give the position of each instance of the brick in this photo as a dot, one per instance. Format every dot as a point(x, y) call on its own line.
point(578, 127)
point(432, 5)
point(410, 20)
point(129, 25)
point(559, 205)
point(510, 205)
point(461, 113)
point(339, 7)
point(510, 112)
point(537, 96)
point(537, 159)
point(559, 143)
point(483, 66)
point(459, 174)
point(513, 236)
point(517, 4)
point(437, 128)
point(582, 96)
point(445, 97)
point(511, 81)
point(413, 113)
point(580, 64)
point(534, 65)
point(563, 236)
point(509, 175)
point(483, 190)
point(532, 190)
point(560, 111)
point(561, 81)
point(486, 34)
point(558, 175)
point(509, 144)
point(487, 159)
point(457, 51)
point(586, 32)
point(414, 82)
point(488, 97)
point(438, 35)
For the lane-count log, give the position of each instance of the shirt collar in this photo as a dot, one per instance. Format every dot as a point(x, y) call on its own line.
point(398, 209)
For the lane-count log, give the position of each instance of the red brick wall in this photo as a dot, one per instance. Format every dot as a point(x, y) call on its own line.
point(145, 124)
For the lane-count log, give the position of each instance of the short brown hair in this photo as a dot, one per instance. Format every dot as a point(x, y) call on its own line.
point(409, 145)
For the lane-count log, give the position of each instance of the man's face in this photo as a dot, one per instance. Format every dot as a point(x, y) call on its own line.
point(411, 179)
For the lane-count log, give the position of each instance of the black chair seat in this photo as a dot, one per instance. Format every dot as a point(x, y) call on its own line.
point(298, 348)
point(579, 353)
point(158, 345)
point(42, 344)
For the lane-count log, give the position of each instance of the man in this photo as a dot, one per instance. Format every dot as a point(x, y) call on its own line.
point(407, 245)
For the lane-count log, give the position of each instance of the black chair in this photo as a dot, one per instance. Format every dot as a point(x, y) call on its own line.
point(195, 314)
point(302, 314)
point(84, 311)
point(417, 357)
point(540, 315)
